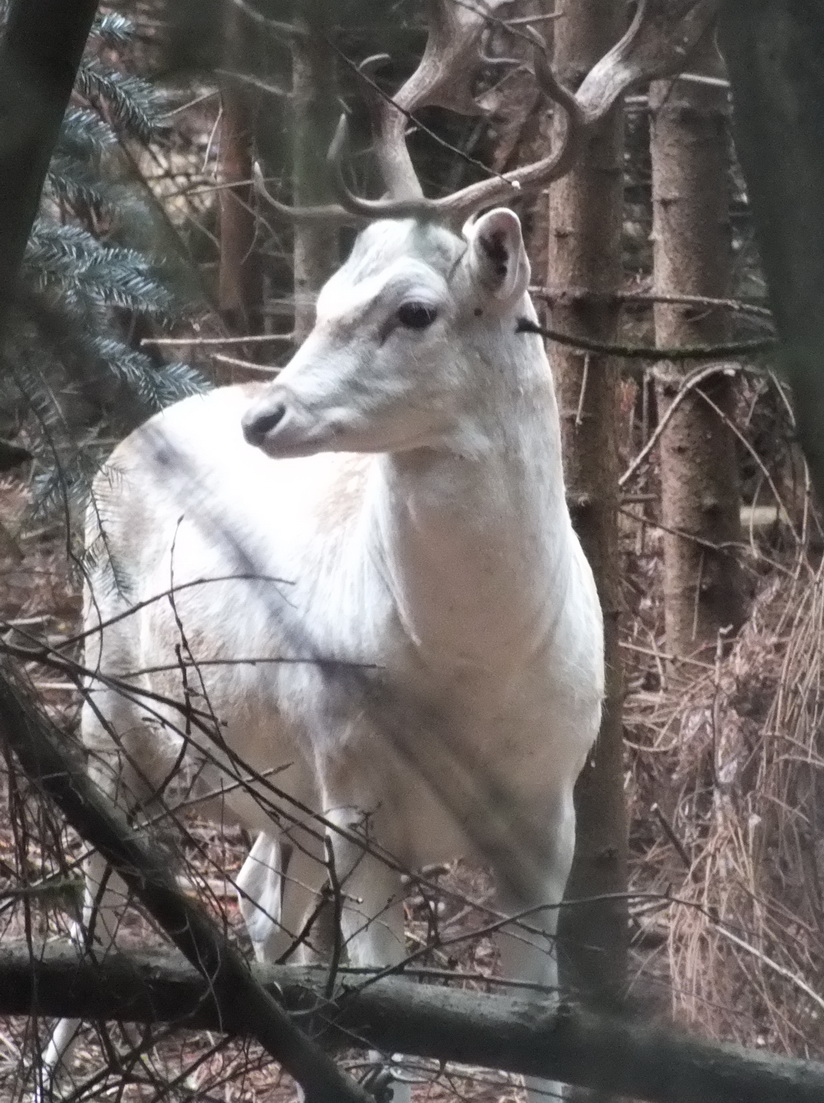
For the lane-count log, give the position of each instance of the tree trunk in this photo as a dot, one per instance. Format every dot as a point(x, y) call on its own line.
point(40, 50)
point(240, 290)
point(774, 50)
point(700, 500)
point(584, 272)
point(314, 108)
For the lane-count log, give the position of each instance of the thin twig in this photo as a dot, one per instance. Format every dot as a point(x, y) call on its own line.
point(41, 751)
point(248, 365)
point(579, 413)
point(278, 28)
point(649, 352)
point(771, 964)
point(669, 831)
point(738, 306)
point(250, 340)
point(689, 383)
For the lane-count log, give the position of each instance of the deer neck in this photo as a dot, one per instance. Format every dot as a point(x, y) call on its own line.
point(475, 544)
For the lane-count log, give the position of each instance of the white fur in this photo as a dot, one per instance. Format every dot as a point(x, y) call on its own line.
point(441, 625)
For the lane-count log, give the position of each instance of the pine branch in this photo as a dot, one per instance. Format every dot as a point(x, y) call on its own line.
point(134, 103)
point(112, 30)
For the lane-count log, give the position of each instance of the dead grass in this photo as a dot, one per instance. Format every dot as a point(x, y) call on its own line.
point(727, 803)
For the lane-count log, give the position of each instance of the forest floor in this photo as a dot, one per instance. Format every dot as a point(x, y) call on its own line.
point(726, 866)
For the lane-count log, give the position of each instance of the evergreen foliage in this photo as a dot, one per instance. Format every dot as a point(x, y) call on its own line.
point(70, 373)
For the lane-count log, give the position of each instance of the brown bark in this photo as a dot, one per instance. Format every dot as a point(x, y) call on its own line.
point(314, 109)
point(774, 50)
point(700, 500)
point(240, 289)
point(513, 1033)
point(584, 272)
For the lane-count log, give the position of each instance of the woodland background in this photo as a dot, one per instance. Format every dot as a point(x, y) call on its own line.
point(154, 270)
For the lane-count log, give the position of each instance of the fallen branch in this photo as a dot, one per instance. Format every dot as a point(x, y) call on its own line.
point(514, 1034)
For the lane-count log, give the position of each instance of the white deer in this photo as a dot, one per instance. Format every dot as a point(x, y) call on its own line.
point(356, 591)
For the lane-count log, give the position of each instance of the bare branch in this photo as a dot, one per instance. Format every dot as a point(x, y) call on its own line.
point(41, 751)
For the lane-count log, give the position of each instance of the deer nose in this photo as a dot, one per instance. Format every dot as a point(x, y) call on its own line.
point(257, 426)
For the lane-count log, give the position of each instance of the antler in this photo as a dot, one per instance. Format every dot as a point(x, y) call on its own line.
point(443, 78)
point(331, 214)
point(662, 36)
point(657, 44)
point(412, 203)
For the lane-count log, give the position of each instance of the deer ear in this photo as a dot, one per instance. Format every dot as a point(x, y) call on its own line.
point(496, 256)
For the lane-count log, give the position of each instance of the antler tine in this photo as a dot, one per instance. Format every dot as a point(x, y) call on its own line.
point(455, 29)
point(370, 209)
point(332, 214)
point(371, 92)
point(458, 206)
point(390, 149)
point(442, 79)
point(659, 41)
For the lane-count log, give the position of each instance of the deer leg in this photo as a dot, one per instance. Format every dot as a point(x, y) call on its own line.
point(371, 896)
point(279, 891)
point(259, 895)
point(306, 914)
point(370, 901)
point(531, 884)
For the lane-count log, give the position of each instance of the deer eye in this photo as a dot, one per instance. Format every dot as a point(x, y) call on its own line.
point(416, 315)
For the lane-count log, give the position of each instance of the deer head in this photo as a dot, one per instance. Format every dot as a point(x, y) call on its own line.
point(406, 334)
point(410, 327)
